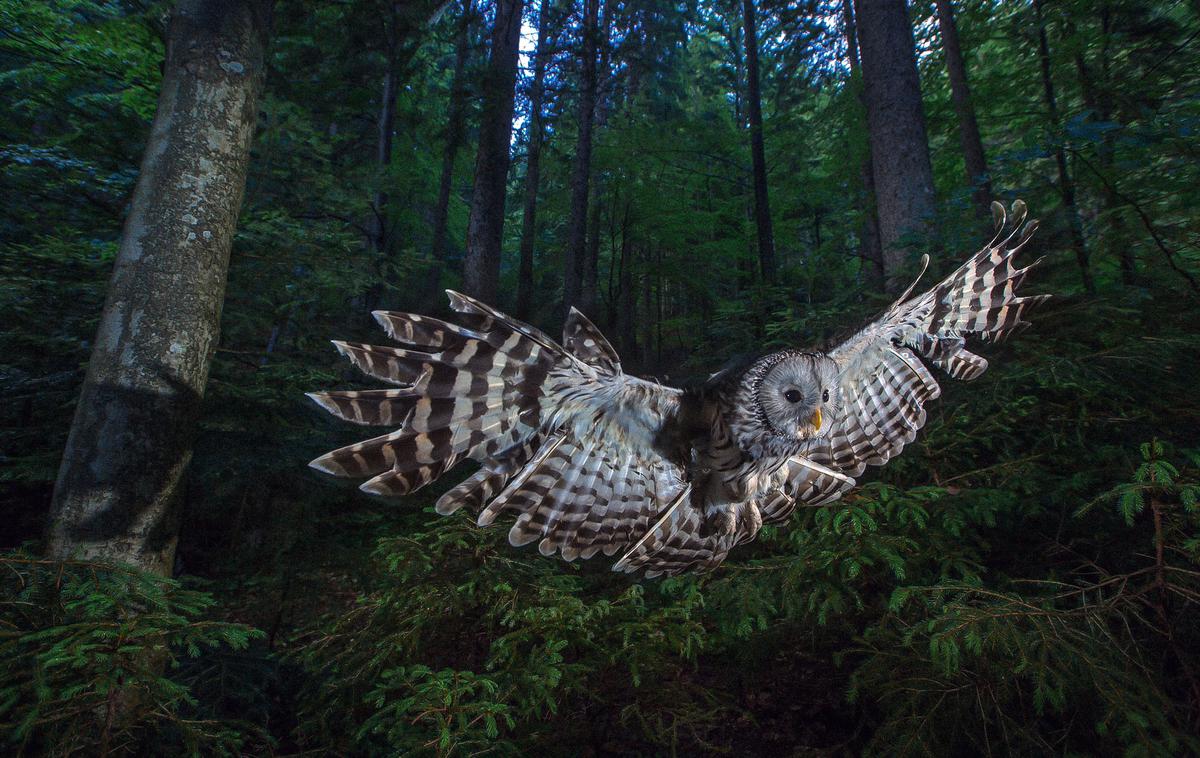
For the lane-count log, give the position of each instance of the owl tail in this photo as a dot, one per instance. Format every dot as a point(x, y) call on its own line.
point(471, 390)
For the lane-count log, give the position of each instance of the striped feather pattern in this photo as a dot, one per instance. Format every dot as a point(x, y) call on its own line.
point(465, 392)
point(885, 385)
point(587, 460)
point(585, 342)
point(503, 393)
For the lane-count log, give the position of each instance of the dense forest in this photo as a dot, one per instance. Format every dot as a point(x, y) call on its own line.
point(198, 195)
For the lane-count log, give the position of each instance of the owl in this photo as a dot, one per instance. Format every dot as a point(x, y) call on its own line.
point(589, 459)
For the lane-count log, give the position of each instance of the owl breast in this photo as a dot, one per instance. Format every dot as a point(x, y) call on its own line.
point(727, 479)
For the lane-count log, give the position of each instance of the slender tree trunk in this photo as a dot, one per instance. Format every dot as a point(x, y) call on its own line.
point(590, 293)
point(649, 320)
point(385, 125)
point(455, 128)
point(533, 163)
point(762, 203)
point(1066, 188)
point(1099, 101)
point(581, 171)
point(896, 122)
point(131, 440)
point(591, 263)
point(627, 291)
point(485, 228)
point(968, 128)
point(870, 250)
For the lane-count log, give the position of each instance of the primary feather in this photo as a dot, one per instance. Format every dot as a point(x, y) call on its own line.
point(591, 460)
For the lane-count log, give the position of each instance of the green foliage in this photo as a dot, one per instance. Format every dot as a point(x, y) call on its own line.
point(92, 662)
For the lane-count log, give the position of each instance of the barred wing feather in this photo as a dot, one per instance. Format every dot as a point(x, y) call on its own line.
point(565, 440)
point(885, 385)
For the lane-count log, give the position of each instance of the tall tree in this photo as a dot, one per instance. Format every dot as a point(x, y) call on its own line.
point(870, 250)
point(385, 125)
point(581, 169)
point(762, 204)
point(896, 123)
point(130, 442)
point(455, 129)
point(1066, 188)
point(590, 290)
point(534, 161)
point(968, 127)
point(485, 227)
point(1097, 98)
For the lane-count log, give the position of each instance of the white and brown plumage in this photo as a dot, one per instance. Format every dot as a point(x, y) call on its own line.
point(590, 459)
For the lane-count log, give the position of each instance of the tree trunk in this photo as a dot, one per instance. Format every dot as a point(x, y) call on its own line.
point(455, 127)
point(968, 128)
point(576, 252)
point(870, 250)
point(896, 123)
point(485, 228)
point(130, 442)
point(762, 204)
point(627, 292)
point(385, 124)
point(1099, 101)
point(1066, 188)
point(533, 163)
point(589, 293)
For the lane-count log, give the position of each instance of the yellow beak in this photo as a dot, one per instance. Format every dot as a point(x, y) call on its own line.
point(816, 420)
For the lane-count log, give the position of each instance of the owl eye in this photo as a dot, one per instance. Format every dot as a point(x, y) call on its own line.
point(825, 396)
point(792, 396)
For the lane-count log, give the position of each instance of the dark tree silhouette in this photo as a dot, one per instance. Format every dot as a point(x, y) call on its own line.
point(581, 170)
point(485, 228)
point(762, 204)
point(968, 127)
point(533, 163)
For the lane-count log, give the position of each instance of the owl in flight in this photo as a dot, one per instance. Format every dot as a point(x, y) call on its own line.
point(590, 459)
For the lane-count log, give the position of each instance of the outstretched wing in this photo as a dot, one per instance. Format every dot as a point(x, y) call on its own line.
point(566, 441)
point(884, 381)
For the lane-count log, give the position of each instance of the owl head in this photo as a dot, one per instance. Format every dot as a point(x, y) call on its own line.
point(786, 400)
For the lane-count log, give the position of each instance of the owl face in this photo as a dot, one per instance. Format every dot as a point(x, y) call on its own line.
point(797, 397)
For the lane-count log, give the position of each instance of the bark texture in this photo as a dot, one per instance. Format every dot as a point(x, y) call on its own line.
point(762, 204)
point(485, 228)
point(896, 121)
point(533, 163)
point(130, 443)
point(974, 157)
point(581, 170)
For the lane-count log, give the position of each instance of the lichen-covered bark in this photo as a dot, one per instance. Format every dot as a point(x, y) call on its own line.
point(903, 172)
point(130, 443)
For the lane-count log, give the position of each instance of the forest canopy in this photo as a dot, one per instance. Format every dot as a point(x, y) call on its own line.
point(706, 180)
